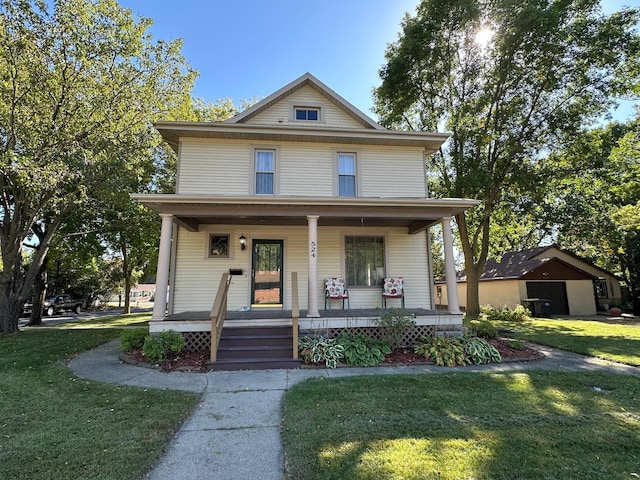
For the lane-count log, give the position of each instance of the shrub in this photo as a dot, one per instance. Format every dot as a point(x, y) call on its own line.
point(518, 314)
point(443, 350)
point(133, 339)
point(159, 346)
point(489, 312)
point(362, 350)
point(479, 351)
point(483, 329)
point(394, 324)
point(516, 344)
point(321, 349)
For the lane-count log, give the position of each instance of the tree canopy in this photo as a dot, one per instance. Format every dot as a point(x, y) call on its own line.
point(511, 80)
point(80, 83)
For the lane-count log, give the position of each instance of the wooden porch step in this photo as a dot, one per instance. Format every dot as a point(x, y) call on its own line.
point(256, 351)
point(247, 331)
point(253, 364)
point(255, 348)
point(229, 341)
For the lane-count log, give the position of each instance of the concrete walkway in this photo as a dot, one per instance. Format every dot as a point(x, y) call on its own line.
point(234, 432)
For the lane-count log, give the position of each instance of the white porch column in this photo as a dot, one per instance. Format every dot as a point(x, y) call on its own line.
point(162, 273)
point(312, 226)
point(450, 267)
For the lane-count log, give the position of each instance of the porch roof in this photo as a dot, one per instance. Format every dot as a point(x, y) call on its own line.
point(416, 214)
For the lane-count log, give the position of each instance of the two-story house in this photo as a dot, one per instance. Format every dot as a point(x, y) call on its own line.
point(300, 182)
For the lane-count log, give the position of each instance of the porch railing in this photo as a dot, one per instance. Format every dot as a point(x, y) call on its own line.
point(295, 312)
point(218, 314)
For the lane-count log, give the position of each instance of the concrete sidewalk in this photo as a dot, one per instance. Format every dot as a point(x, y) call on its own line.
point(234, 432)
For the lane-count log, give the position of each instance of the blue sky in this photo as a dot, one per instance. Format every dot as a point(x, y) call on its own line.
point(244, 48)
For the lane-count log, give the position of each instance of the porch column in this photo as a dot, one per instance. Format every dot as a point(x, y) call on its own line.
point(162, 273)
point(450, 267)
point(312, 226)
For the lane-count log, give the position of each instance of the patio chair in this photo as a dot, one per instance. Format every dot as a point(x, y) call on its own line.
point(335, 289)
point(393, 288)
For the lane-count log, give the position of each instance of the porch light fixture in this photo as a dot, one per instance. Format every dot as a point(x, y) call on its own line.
point(243, 242)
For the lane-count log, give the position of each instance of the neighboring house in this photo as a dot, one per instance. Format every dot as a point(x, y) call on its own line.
point(571, 285)
point(143, 292)
point(300, 182)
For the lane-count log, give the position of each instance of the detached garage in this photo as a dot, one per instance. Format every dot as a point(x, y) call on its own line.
point(568, 284)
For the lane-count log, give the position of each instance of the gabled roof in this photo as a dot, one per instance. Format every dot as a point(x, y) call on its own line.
point(307, 80)
point(514, 265)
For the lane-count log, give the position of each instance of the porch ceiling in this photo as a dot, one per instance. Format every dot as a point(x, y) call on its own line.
point(416, 214)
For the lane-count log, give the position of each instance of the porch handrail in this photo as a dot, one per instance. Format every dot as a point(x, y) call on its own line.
point(295, 312)
point(218, 314)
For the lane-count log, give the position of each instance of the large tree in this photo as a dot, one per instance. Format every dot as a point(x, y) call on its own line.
point(80, 82)
point(511, 80)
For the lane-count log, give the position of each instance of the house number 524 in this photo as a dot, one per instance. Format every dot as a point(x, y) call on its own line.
point(313, 249)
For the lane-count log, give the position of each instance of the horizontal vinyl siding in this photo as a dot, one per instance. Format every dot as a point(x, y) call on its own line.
point(408, 258)
point(197, 277)
point(306, 170)
point(306, 96)
point(388, 172)
point(214, 168)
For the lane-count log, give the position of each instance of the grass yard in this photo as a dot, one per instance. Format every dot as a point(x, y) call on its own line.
point(55, 425)
point(611, 341)
point(118, 321)
point(535, 425)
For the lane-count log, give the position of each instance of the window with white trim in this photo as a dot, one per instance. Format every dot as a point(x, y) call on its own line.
point(308, 114)
point(364, 265)
point(265, 171)
point(347, 175)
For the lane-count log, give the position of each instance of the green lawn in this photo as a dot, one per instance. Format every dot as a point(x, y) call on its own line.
point(118, 321)
point(56, 425)
point(616, 342)
point(535, 425)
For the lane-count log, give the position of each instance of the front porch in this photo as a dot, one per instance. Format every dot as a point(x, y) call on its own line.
point(196, 325)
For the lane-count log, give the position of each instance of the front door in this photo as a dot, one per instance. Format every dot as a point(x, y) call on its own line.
point(266, 268)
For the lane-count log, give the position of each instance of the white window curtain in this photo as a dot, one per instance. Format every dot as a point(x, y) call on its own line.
point(265, 166)
point(346, 175)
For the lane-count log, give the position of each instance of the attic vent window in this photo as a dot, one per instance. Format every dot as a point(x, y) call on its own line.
point(311, 114)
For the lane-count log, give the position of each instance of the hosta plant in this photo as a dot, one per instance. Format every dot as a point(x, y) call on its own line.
point(479, 351)
point(443, 350)
point(321, 350)
point(362, 350)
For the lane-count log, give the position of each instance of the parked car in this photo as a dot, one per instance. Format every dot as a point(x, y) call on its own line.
point(56, 304)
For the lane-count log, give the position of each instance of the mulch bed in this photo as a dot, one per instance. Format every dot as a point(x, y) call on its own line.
point(197, 361)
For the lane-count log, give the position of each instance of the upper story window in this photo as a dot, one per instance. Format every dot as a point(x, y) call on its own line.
point(347, 174)
point(311, 114)
point(265, 171)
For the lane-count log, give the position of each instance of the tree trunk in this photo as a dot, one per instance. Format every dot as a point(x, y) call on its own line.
point(473, 264)
point(11, 299)
point(39, 293)
point(127, 279)
point(473, 298)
